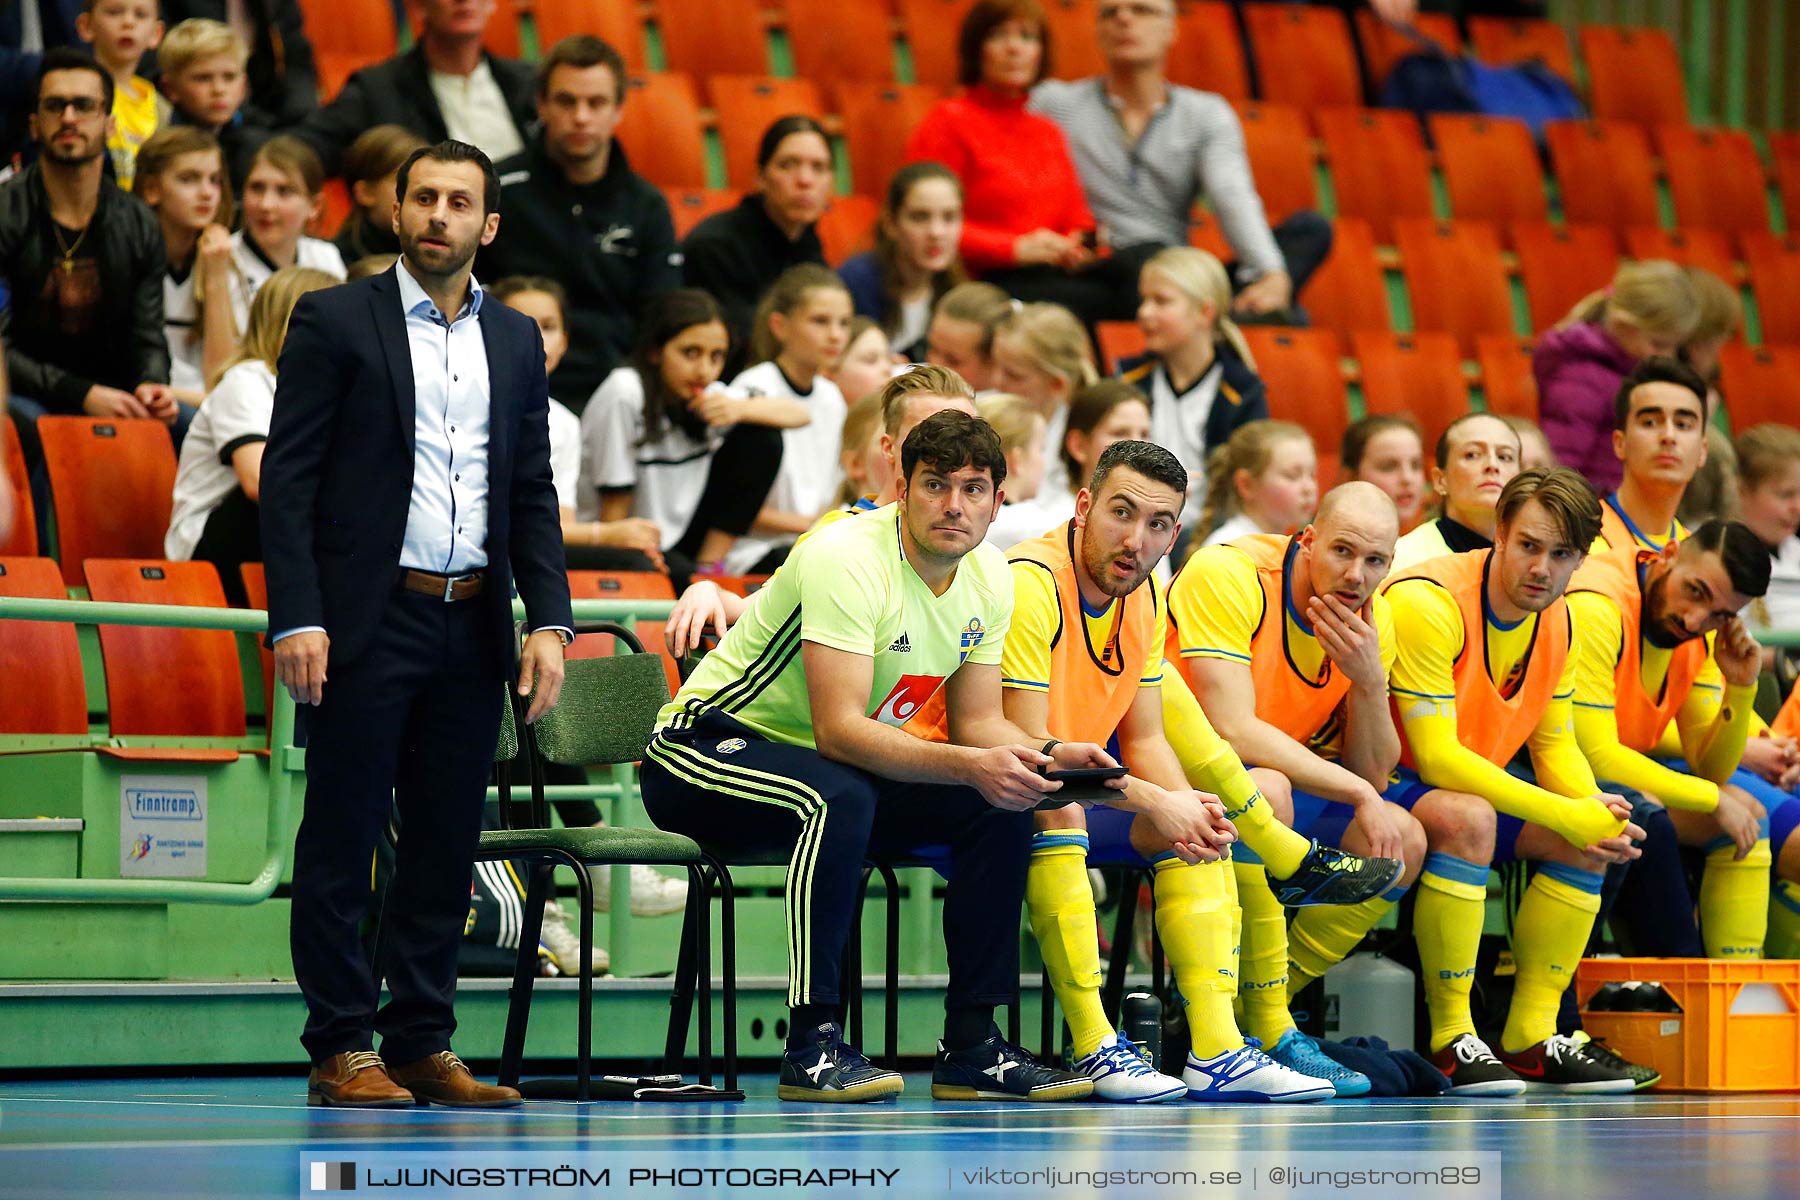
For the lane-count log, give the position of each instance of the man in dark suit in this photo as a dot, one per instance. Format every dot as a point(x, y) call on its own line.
point(405, 490)
point(446, 86)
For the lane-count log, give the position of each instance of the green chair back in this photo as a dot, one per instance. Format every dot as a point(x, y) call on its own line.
point(607, 710)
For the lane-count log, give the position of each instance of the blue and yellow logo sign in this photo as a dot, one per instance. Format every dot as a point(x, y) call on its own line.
point(971, 637)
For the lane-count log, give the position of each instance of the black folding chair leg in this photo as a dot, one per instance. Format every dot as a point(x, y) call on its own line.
point(852, 1000)
point(891, 996)
point(728, 961)
point(518, 1010)
point(1112, 999)
point(584, 1021)
point(703, 971)
point(681, 999)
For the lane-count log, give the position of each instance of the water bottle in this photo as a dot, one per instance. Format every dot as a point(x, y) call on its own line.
point(1140, 1019)
point(1371, 995)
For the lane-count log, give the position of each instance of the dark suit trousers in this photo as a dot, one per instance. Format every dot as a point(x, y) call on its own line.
point(413, 723)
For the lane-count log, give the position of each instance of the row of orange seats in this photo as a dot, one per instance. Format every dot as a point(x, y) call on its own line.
point(1287, 53)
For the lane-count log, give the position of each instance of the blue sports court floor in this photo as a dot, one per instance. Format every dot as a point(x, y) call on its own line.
point(213, 1137)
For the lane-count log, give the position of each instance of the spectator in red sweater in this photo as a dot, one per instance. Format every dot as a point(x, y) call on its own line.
point(1026, 222)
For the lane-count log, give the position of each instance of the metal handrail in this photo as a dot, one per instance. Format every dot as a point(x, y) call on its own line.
point(285, 759)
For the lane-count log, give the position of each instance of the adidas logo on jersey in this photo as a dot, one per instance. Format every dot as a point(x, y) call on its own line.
point(902, 645)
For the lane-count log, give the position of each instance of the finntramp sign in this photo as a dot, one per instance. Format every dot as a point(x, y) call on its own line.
point(162, 826)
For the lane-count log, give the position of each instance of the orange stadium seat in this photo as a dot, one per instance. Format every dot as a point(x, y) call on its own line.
point(1506, 378)
point(1506, 40)
point(689, 207)
point(1560, 264)
point(146, 667)
point(1455, 277)
point(1715, 178)
point(625, 585)
point(832, 40)
point(1303, 55)
point(1205, 234)
point(1491, 168)
point(1760, 383)
point(740, 585)
point(15, 481)
point(659, 127)
point(1279, 146)
point(747, 105)
point(1304, 375)
point(1348, 293)
point(112, 483)
point(502, 36)
point(615, 22)
point(877, 118)
point(45, 652)
point(706, 37)
point(848, 227)
point(1379, 166)
point(1119, 340)
point(1775, 278)
point(1705, 248)
point(1074, 47)
point(930, 29)
point(351, 27)
point(1417, 373)
point(1784, 149)
point(1633, 74)
point(334, 208)
point(1605, 172)
point(1383, 45)
point(1209, 51)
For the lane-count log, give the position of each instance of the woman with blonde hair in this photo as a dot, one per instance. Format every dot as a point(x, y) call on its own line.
point(1650, 308)
point(1198, 371)
point(1021, 428)
point(1265, 479)
point(218, 482)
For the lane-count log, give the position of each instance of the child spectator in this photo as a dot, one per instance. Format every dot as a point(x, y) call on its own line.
point(371, 167)
point(1769, 500)
point(1650, 308)
point(915, 260)
point(1198, 372)
point(1021, 428)
point(122, 31)
point(203, 76)
point(961, 334)
point(631, 544)
point(181, 176)
point(865, 468)
point(663, 442)
point(217, 484)
point(1389, 452)
point(1042, 352)
point(1265, 479)
point(1099, 414)
point(801, 328)
point(281, 197)
point(1534, 447)
point(866, 364)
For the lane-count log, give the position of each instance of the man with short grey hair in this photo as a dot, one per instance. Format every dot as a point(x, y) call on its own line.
point(1148, 150)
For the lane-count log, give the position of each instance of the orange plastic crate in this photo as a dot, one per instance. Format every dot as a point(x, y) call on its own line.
point(1705, 1047)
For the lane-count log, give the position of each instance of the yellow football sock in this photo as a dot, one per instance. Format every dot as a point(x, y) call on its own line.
point(1734, 901)
point(1193, 917)
point(1263, 960)
point(1550, 933)
point(1061, 905)
point(1447, 925)
point(1784, 920)
point(1320, 937)
point(1210, 765)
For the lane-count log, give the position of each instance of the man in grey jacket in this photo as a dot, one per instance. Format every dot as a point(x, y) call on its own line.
point(1148, 150)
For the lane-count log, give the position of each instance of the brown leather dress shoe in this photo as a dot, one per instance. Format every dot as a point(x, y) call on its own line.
point(355, 1079)
point(443, 1079)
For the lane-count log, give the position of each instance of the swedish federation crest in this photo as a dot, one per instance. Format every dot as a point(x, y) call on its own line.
point(971, 637)
point(731, 745)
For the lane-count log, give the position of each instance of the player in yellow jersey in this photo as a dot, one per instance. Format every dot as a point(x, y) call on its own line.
point(1484, 670)
point(1288, 647)
point(1659, 433)
point(1084, 658)
point(1659, 644)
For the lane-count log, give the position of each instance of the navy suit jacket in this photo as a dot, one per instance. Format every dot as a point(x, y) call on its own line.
point(337, 472)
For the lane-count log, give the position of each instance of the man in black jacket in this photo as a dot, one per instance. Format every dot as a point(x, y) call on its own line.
point(85, 262)
point(574, 210)
point(284, 83)
point(446, 86)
